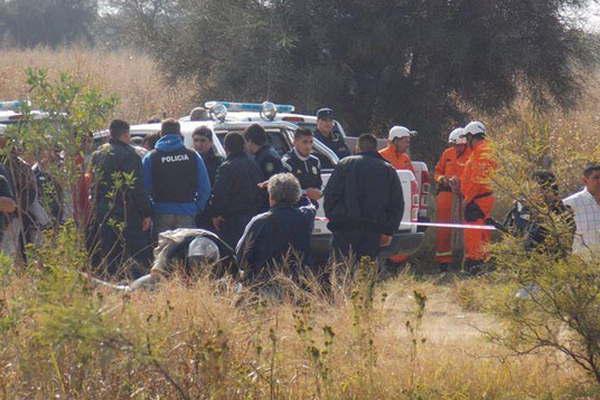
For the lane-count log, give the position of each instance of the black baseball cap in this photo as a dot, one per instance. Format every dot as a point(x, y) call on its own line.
point(325, 113)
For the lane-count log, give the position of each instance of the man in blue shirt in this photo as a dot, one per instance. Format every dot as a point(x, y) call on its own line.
point(176, 180)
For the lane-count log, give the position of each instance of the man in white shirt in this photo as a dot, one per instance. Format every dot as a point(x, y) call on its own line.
point(586, 207)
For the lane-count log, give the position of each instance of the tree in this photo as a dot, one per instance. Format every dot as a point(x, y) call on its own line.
point(378, 62)
point(31, 23)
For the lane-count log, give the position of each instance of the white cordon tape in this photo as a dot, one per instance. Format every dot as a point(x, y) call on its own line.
point(438, 225)
point(451, 226)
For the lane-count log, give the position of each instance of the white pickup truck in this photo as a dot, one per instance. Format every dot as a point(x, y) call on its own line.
point(406, 241)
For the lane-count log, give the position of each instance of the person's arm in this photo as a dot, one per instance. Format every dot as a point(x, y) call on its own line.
point(203, 190)
point(334, 191)
point(147, 174)
point(309, 210)
point(320, 178)
point(277, 166)
point(285, 164)
point(247, 247)
point(220, 199)
point(139, 193)
point(395, 205)
point(440, 169)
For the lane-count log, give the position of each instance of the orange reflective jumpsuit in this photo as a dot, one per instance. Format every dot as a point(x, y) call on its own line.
point(398, 161)
point(476, 187)
point(451, 165)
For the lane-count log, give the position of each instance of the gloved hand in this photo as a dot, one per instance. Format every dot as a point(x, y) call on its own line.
point(473, 212)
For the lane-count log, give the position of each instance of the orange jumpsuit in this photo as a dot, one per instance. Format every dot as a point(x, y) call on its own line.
point(398, 161)
point(476, 187)
point(450, 165)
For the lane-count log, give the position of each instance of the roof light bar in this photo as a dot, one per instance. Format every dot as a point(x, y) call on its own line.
point(249, 107)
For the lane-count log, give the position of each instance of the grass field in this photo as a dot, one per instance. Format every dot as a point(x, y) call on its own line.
point(133, 77)
point(61, 338)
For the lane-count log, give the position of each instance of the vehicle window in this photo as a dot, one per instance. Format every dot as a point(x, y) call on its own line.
point(277, 140)
point(275, 137)
point(311, 127)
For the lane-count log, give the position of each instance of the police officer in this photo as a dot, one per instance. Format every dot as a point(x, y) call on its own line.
point(176, 179)
point(363, 202)
point(236, 195)
point(328, 135)
point(120, 221)
point(203, 144)
point(265, 155)
point(305, 167)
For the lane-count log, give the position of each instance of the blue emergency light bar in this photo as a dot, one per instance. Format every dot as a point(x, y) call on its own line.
point(249, 107)
point(13, 105)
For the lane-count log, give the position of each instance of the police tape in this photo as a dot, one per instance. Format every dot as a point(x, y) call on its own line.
point(451, 226)
point(438, 225)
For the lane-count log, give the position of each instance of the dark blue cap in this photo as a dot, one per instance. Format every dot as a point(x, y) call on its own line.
point(325, 113)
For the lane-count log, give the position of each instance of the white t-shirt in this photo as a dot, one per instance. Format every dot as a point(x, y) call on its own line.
point(587, 219)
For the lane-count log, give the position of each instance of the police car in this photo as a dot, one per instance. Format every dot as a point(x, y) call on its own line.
point(10, 112)
point(257, 112)
point(281, 135)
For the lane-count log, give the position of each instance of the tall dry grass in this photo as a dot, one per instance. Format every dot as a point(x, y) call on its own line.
point(205, 342)
point(62, 339)
point(132, 76)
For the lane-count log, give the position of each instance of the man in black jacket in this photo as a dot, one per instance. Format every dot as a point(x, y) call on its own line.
point(120, 223)
point(281, 234)
point(203, 143)
point(236, 195)
point(265, 155)
point(364, 202)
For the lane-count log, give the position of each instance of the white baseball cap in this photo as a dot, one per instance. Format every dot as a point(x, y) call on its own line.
point(399, 132)
point(474, 128)
point(457, 136)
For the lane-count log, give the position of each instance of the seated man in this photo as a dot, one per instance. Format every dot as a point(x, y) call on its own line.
point(282, 233)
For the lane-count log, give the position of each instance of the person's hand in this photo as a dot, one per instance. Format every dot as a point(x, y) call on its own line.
point(454, 184)
point(263, 185)
point(313, 194)
point(7, 205)
point(218, 222)
point(146, 224)
point(385, 240)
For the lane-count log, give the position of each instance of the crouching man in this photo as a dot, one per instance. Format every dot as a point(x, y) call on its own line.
point(281, 236)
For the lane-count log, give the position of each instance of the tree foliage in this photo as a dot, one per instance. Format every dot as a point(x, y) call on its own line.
point(30, 23)
point(378, 62)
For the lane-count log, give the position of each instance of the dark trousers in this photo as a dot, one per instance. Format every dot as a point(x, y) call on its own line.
point(114, 252)
point(233, 228)
point(355, 243)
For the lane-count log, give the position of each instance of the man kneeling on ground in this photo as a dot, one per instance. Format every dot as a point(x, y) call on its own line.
point(279, 236)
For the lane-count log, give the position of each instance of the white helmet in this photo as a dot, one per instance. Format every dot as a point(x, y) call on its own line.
point(398, 132)
point(474, 128)
point(457, 136)
point(205, 248)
